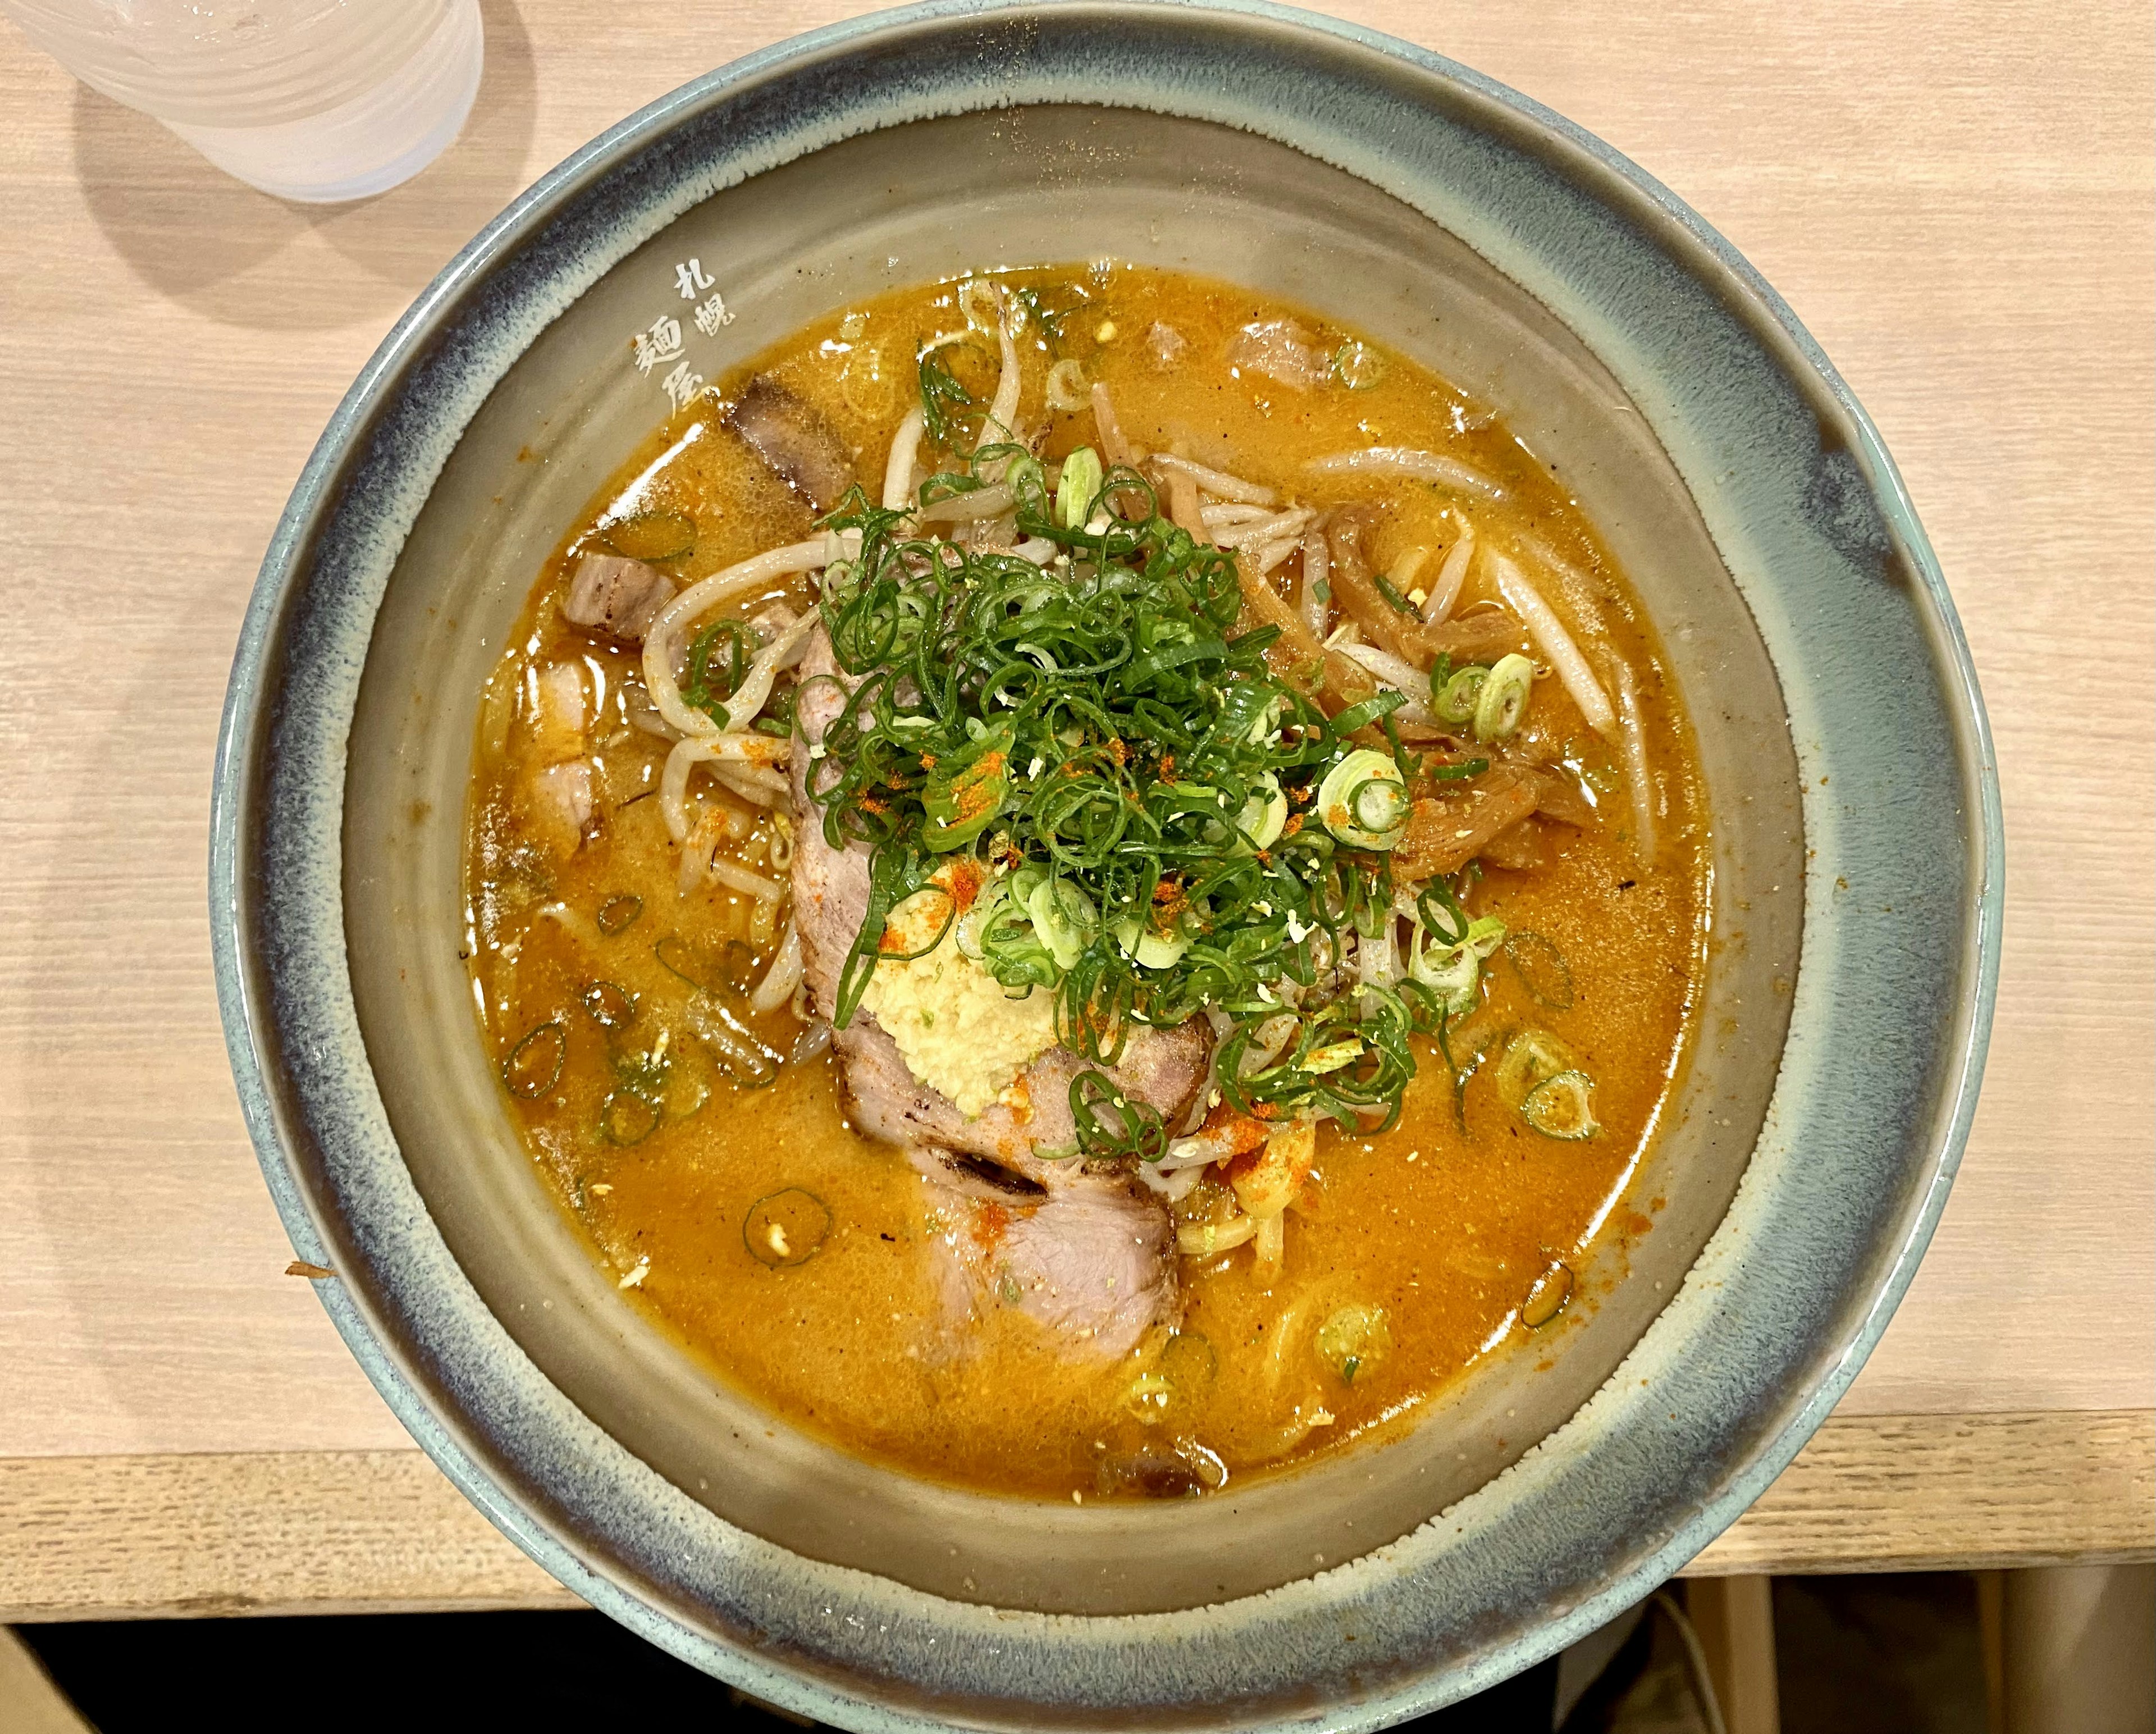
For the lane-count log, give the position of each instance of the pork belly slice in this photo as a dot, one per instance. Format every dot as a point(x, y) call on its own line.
point(562, 803)
point(796, 443)
point(616, 595)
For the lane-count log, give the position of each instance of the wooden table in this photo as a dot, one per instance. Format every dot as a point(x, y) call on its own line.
point(1954, 196)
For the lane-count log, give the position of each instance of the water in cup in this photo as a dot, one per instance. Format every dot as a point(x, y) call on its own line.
point(317, 101)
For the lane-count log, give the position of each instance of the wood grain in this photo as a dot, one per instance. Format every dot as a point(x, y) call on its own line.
point(1903, 1493)
point(344, 1531)
point(1955, 196)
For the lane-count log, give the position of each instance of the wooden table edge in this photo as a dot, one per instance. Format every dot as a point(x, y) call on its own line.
point(114, 1538)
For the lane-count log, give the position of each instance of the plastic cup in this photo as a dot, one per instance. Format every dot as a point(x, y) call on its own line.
point(315, 101)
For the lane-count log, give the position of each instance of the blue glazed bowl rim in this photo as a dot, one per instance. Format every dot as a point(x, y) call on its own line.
point(251, 694)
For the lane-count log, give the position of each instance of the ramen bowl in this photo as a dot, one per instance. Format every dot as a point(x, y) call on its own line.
point(1856, 865)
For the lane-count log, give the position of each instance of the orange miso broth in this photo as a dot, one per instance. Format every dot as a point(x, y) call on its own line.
point(1088, 884)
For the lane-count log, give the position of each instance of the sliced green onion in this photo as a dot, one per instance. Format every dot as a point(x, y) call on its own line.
point(627, 1116)
point(916, 925)
point(1154, 950)
point(1363, 800)
point(966, 930)
point(703, 688)
point(536, 1062)
point(1189, 1364)
point(1502, 697)
point(1010, 946)
point(1029, 481)
point(651, 536)
point(1532, 1058)
point(1587, 758)
point(1063, 916)
point(1398, 603)
point(1077, 486)
point(786, 1229)
point(1357, 365)
point(1379, 805)
point(1331, 1057)
point(1437, 908)
point(613, 1006)
point(1454, 702)
point(967, 790)
point(1562, 1107)
point(1453, 973)
point(618, 913)
point(941, 394)
point(1111, 1124)
point(1354, 1339)
point(1147, 1396)
point(1264, 816)
point(733, 965)
point(1067, 392)
point(1542, 970)
point(1548, 1296)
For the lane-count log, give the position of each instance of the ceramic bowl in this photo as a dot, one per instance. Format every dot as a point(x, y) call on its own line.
point(1856, 846)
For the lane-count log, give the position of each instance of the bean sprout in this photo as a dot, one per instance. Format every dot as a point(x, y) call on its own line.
point(736, 878)
point(1219, 483)
point(1405, 460)
point(1452, 578)
point(1262, 529)
point(1114, 447)
point(1066, 387)
point(1635, 744)
point(1554, 642)
point(782, 652)
point(992, 501)
point(733, 779)
point(1002, 423)
point(1394, 672)
point(1224, 517)
point(659, 646)
point(1315, 593)
point(696, 750)
point(898, 468)
point(783, 976)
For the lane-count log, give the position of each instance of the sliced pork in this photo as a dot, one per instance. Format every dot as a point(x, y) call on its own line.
point(1093, 1263)
point(1282, 351)
point(618, 596)
point(799, 446)
point(563, 797)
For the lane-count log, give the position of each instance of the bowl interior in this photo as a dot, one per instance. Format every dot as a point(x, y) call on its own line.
point(1033, 185)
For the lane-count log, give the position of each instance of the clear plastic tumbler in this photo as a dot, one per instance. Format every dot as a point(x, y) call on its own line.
point(317, 101)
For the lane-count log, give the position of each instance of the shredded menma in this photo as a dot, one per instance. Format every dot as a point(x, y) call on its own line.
point(1153, 813)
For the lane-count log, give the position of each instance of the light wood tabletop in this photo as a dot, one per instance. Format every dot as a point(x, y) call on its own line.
point(1954, 195)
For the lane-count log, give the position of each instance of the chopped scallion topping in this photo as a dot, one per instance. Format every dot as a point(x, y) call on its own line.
point(1151, 808)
